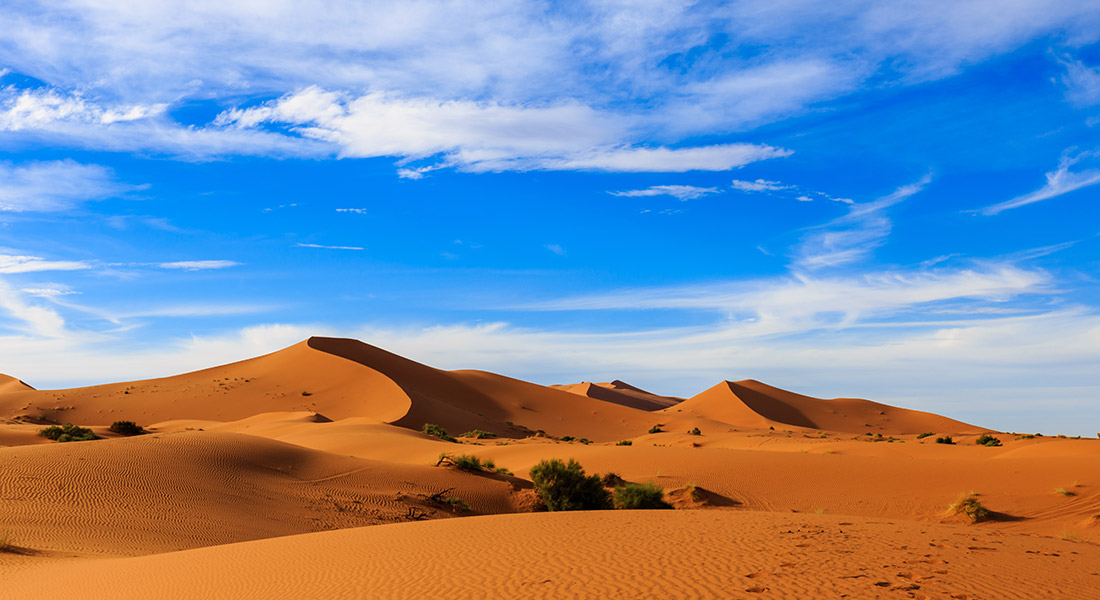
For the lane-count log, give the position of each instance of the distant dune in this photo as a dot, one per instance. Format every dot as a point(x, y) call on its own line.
point(246, 468)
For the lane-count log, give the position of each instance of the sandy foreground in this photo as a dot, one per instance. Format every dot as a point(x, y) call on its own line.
point(304, 474)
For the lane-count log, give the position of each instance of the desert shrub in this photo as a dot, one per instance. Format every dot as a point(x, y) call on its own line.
point(585, 441)
point(479, 434)
point(640, 496)
point(567, 438)
point(1064, 492)
point(967, 504)
point(503, 471)
point(565, 486)
point(437, 431)
point(126, 428)
point(68, 433)
point(945, 440)
point(656, 429)
point(611, 479)
point(987, 440)
point(695, 431)
point(467, 462)
point(925, 434)
point(625, 443)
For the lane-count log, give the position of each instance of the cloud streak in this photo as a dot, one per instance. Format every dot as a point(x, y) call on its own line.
point(1059, 182)
point(680, 192)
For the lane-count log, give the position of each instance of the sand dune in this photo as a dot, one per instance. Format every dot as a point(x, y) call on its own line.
point(783, 495)
point(751, 403)
point(620, 392)
point(625, 554)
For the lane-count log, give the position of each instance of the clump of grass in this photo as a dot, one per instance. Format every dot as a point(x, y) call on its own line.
point(469, 462)
point(1064, 492)
point(479, 434)
point(457, 503)
point(987, 440)
point(945, 440)
point(968, 504)
point(68, 433)
point(126, 428)
point(656, 429)
point(503, 471)
point(695, 431)
point(633, 496)
point(1025, 436)
point(624, 443)
point(567, 438)
point(925, 434)
point(585, 441)
point(437, 431)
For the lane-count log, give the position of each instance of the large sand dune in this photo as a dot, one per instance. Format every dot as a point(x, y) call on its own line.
point(248, 465)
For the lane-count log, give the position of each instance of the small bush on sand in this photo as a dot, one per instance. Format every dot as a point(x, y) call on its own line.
point(565, 486)
point(695, 431)
point(624, 443)
point(567, 438)
point(1064, 492)
point(68, 433)
point(925, 434)
point(640, 496)
point(479, 434)
point(437, 431)
point(945, 440)
point(457, 503)
point(967, 504)
point(987, 440)
point(611, 480)
point(468, 462)
point(126, 428)
point(656, 429)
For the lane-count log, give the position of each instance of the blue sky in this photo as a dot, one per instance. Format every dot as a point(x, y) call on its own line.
point(888, 200)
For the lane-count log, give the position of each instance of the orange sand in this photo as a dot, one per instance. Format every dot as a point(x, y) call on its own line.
point(249, 464)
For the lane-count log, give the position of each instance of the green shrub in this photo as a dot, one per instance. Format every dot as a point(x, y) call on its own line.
point(468, 462)
point(564, 486)
point(625, 443)
point(945, 440)
point(585, 441)
point(503, 471)
point(479, 434)
point(126, 428)
point(437, 431)
point(967, 504)
point(640, 496)
point(655, 429)
point(68, 433)
point(695, 431)
point(987, 440)
point(924, 435)
point(457, 503)
point(567, 438)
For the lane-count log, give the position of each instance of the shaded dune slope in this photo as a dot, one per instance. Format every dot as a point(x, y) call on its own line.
point(620, 392)
point(165, 492)
point(750, 403)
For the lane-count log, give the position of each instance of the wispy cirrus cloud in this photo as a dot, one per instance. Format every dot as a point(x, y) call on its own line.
point(55, 185)
point(199, 265)
point(855, 235)
point(19, 263)
point(680, 192)
point(760, 185)
point(1060, 181)
point(323, 247)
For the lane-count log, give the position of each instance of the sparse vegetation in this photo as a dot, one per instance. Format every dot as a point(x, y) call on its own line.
point(925, 434)
point(68, 433)
point(611, 480)
point(567, 438)
point(945, 440)
point(968, 504)
point(437, 431)
point(565, 486)
point(469, 462)
point(640, 496)
point(656, 429)
point(307, 393)
point(624, 443)
point(457, 503)
point(695, 431)
point(987, 440)
point(1064, 492)
point(479, 434)
point(1025, 436)
point(126, 428)
point(585, 441)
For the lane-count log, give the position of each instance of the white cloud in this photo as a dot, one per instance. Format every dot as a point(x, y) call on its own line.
point(28, 318)
point(54, 186)
point(199, 265)
point(354, 211)
point(855, 235)
point(760, 185)
point(1060, 181)
point(14, 263)
point(1082, 83)
point(680, 192)
point(301, 245)
point(556, 249)
point(482, 136)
